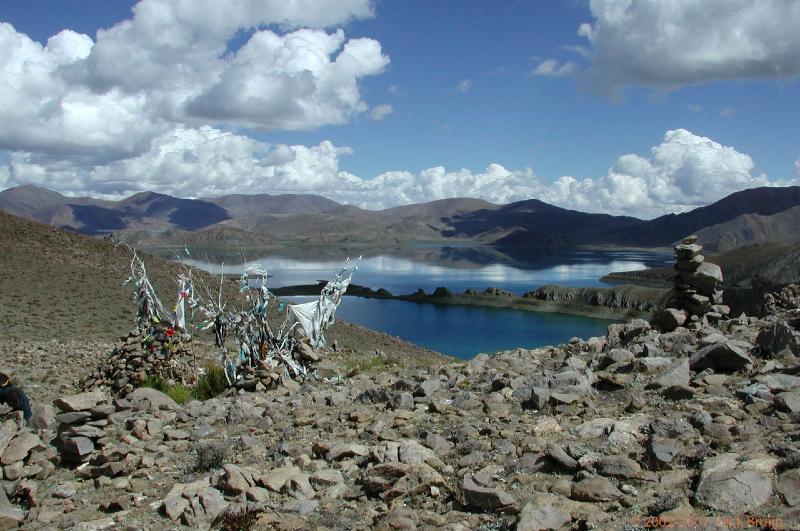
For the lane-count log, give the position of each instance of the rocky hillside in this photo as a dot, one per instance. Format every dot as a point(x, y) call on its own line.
point(678, 426)
point(668, 229)
point(772, 265)
point(58, 285)
point(750, 229)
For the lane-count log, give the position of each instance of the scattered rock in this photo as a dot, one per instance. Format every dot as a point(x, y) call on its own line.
point(723, 357)
point(595, 489)
point(730, 487)
point(788, 485)
point(487, 499)
point(535, 518)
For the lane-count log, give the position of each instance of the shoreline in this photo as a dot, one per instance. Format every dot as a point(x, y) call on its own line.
point(547, 299)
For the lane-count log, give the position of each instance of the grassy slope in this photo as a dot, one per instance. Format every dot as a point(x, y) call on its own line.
point(60, 285)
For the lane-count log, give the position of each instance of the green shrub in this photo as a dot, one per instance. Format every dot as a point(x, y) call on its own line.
point(178, 392)
point(211, 384)
point(371, 365)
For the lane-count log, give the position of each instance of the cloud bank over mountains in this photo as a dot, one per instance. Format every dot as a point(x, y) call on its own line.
point(163, 102)
point(682, 172)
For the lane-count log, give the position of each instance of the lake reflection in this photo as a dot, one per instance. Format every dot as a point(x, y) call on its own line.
point(405, 270)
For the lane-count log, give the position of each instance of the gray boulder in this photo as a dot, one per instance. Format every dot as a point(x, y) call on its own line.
point(776, 339)
point(148, 399)
point(722, 357)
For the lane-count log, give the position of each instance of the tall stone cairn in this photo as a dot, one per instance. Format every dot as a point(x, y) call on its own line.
point(697, 282)
point(696, 290)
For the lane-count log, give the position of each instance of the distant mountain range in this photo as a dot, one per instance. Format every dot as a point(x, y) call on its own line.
point(145, 210)
point(750, 216)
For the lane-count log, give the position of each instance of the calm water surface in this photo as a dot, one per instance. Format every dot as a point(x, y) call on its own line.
point(455, 330)
point(464, 331)
point(406, 270)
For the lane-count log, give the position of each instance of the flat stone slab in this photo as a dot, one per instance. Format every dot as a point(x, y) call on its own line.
point(535, 518)
point(79, 402)
point(8, 430)
point(789, 402)
point(485, 498)
point(789, 486)
point(147, 399)
point(734, 491)
point(18, 448)
point(676, 373)
point(595, 490)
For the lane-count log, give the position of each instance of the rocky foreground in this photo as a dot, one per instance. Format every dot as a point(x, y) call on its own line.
point(692, 428)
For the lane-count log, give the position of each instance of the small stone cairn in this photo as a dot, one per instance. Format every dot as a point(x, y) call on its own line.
point(161, 352)
point(266, 374)
point(80, 425)
point(696, 290)
point(26, 459)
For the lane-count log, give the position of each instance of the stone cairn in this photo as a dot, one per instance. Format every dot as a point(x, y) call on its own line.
point(266, 374)
point(80, 425)
point(27, 459)
point(160, 352)
point(696, 290)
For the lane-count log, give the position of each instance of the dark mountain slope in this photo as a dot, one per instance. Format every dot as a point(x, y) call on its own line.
point(542, 222)
point(666, 230)
point(27, 200)
point(530, 224)
point(241, 206)
point(188, 214)
point(752, 228)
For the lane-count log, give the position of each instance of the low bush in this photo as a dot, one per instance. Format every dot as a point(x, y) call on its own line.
point(210, 384)
point(237, 518)
point(178, 392)
point(210, 456)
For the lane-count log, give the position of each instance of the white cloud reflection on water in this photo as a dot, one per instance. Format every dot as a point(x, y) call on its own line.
point(400, 274)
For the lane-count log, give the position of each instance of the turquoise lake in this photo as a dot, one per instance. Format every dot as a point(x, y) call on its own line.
point(455, 330)
point(464, 331)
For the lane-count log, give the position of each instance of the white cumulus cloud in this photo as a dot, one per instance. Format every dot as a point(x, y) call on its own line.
point(170, 66)
point(464, 85)
point(682, 172)
point(380, 112)
point(552, 68)
point(680, 42)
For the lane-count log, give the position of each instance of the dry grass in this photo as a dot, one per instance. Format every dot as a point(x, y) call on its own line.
point(60, 285)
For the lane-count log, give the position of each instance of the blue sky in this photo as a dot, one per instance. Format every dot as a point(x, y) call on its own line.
point(631, 127)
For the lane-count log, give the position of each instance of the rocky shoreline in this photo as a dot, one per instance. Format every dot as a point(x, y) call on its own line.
point(618, 302)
